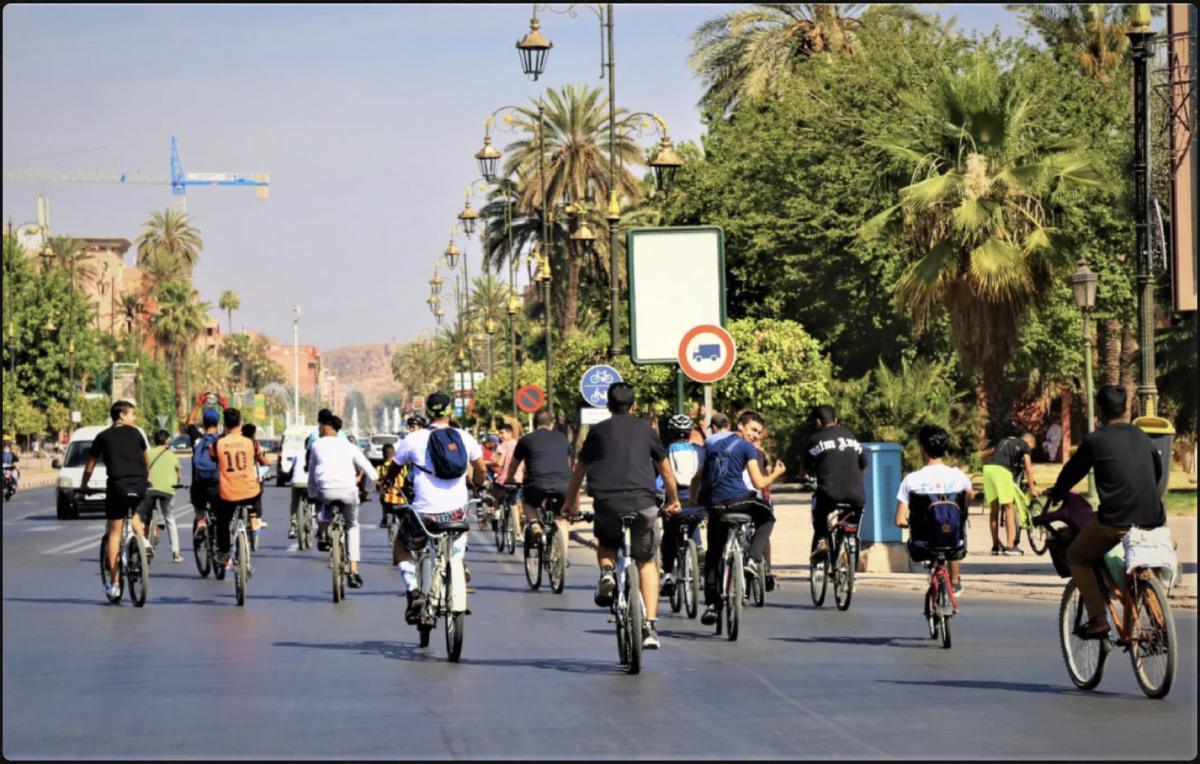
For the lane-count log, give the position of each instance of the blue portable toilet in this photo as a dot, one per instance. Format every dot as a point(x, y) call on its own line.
point(884, 473)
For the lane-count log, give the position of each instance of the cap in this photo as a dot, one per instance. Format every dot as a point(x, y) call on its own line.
point(211, 417)
point(437, 404)
point(493, 438)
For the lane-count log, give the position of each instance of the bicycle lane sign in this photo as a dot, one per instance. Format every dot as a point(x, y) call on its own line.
point(594, 384)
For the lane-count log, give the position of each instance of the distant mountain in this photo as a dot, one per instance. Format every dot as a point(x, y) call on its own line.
point(366, 368)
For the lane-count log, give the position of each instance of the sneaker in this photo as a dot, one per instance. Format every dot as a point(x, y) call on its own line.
point(355, 581)
point(667, 588)
point(958, 588)
point(322, 545)
point(224, 561)
point(177, 557)
point(820, 552)
point(263, 524)
point(605, 588)
point(751, 568)
point(292, 532)
point(113, 591)
point(997, 550)
point(650, 637)
point(709, 617)
point(1014, 551)
point(412, 614)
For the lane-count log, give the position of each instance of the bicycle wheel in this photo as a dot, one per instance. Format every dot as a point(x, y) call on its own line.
point(510, 532)
point(217, 568)
point(930, 618)
point(843, 578)
point(254, 541)
point(818, 579)
point(304, 529)
point(1037, 539)
point(137, 571)
point(758, 593)
point(691, 580)
point(499, 519)
point(733, 602)
point(454, 621)
point(241, 576)
point(335, 560)
point(200, 550)
point(944, 611)
point(106, 572)
point(1154, 652)
point(634, 619)
point(533, 559)
point(1084, 657)
point(557, 568)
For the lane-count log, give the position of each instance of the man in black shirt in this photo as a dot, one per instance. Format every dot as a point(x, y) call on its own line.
point(835, 458)
point(547, 468)
point(1127, 471)
point(620, 457)
point(122, 448)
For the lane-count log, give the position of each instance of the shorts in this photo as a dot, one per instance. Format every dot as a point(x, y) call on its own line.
point(998, 485)
point(411, 533)
point(644, 536)
point(228, 507)
point(117, 500)
point(534, 496)
point(204, 495)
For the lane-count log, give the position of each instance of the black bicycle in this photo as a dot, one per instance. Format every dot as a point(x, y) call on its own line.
point(504, 526)
point(840, 560)
point(546, 547)
point(204, 544)
point(731, 574)
point(133, 560)
point(687, 572)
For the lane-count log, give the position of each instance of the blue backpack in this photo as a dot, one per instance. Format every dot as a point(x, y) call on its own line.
point(718, 465)
point(204, 467)
point(447, 453)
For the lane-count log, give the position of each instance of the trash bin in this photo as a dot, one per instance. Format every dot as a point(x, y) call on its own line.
point(884, 472)
point(1162, 434)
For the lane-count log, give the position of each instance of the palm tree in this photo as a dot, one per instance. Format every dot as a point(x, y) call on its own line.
point(1093, 34)
point(71, 255)
point(170, 232)
point(978, 214)
point(740, 54)
point(212, 371)
point(179, 319)
point(157, 269)
point(229, 302)
point(421, 365)
point(132, 306)
point(576, 170)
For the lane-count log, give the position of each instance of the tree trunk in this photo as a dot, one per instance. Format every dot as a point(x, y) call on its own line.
point(981, 409)
point(1129, 349)
point(1110, 351)
point(178, 388)
point(1065, 421)
point(571, 310)
point(230, 313)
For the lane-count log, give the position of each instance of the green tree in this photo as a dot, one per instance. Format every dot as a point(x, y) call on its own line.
point(73, 257)
point(979, 213)
point(421, 365)
point(170, 232)
point(1092, 36)
point(179, 320)
point(229, 302)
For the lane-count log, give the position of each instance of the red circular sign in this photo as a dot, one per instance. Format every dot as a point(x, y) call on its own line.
point(706, 353)
point(530, 398)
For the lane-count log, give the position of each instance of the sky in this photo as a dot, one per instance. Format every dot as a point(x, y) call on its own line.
point(367, 118)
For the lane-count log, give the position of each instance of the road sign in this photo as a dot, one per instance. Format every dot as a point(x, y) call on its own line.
point(418, 405)
point(594, 384)
point(676, 281)
point(707, 353)
point(593, 416)
point(530, 398)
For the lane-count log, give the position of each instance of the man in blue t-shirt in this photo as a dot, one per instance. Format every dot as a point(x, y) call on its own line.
point(721, 490)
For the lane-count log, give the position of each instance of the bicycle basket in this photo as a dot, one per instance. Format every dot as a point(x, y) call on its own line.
point(1057, 541)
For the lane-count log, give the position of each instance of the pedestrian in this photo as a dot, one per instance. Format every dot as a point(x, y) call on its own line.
point(1003, 465)
point(165, 473)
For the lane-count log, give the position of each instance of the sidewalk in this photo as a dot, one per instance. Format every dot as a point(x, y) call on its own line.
point(1027, 577)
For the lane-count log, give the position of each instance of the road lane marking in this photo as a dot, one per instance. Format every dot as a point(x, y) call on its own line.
point(45, 528)
point(79, 545)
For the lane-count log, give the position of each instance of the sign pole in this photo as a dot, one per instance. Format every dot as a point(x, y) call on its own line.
point(679, 390)
point(707, 408)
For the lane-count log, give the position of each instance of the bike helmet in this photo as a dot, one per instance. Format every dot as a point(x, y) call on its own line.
point(415, 421)
point(679, 426)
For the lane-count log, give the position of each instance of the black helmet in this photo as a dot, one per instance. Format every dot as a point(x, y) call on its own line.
point(415, 421)
point(679, 426)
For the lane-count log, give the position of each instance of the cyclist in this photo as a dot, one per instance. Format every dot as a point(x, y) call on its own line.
point(619, 458)
point(721, 491)
point(11, 471)
point(543, 459)
point(391, 495)
point(122, 448)
point(1128, 469)
point(204, 470)
point(835, 458)
point(934, 479)
point(1002, 464)
point(442, 449)
point(235, 455)
point(686, 458)
point(165, 472)
point(300, 469)
point(334, 468)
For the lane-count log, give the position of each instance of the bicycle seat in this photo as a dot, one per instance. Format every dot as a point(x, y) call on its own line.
point(735, 518)
point(627, 521)
point(458, 526)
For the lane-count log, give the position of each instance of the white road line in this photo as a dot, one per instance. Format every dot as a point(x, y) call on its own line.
point(79, 545)
point(45, 528)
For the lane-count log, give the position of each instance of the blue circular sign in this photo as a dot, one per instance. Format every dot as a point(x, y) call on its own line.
point(594, 384)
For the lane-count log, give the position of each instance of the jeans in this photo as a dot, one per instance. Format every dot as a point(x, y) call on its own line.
point(764, 521)
point(349, 498)
point(1090, 546)
point(162, 500)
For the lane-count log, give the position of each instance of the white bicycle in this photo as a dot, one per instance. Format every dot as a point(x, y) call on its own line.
point(442, 580)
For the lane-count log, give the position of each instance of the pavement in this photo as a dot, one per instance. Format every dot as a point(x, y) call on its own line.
point(293, 676)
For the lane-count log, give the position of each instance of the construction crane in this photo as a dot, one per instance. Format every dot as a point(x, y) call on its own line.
point(178, 181)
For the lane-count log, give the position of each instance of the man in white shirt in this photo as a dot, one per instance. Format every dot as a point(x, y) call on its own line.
point(334, 466)
point(935, 478)
point(438, 500)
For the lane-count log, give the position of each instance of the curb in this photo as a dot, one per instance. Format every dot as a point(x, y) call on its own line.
point(37, 481)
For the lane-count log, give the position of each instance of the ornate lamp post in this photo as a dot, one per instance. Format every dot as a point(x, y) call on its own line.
point(1083, 284)
point(543, 277)
point(1141, 43)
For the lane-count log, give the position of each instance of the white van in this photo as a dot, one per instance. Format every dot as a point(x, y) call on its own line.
point(291, 452)
point(70, 474)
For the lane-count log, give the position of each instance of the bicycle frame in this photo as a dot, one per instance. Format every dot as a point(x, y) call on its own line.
point(1125, 597)
point(431, 568)
point(939, 576)
point(733, 545)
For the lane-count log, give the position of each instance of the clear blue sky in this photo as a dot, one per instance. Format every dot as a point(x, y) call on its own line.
point(366, 117)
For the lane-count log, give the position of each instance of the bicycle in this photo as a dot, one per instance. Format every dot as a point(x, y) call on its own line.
point(503, 524)
point(627, 608)
point(600, 378)
point(156, 524)
point(841, 555)
point(304, 523)
point(940, 602)
point(133, 561)
point(441, 577)
point(1024, 512)
point(731, 575)
point(548, 549)
point(686, 594)
point(239, 553)
point(339, 549)
point(1137, 605)
point(204, 545)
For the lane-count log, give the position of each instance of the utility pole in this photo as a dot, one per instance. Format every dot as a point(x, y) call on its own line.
point(1141, 41)
point(296, 365)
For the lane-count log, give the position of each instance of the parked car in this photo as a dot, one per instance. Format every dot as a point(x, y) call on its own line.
point(181, 444)
point(374, 450)
point(270, 447)
point(291, 451)
point(70, 474)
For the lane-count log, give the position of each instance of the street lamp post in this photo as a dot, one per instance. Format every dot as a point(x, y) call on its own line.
point(296, 365)
point(1083, 284)
point(544, 277)
point(1141, 41)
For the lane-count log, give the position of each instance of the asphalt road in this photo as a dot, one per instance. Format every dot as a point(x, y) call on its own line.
point(292, 675)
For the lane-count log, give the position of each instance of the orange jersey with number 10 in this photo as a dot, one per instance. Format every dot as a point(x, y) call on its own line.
point(234, 454)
